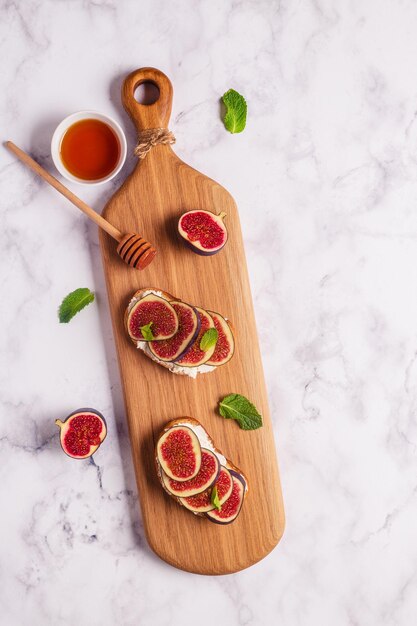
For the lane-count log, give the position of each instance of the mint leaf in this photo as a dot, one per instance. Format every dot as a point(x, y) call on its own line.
point(209, 339)
point(239, 408)
point(215, 498)
point(146, 332)
point(73, 303)
point(236, 109)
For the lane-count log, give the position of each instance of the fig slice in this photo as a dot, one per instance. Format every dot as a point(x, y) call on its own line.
point(209, 470)
point(230, 509)
point(194, 355)
point(188, 329)
point(203, 231)
point(82, 433)
point(179, 453)
point(224, 484)
point(154, 311)
point(201, 503)
point(225, 345)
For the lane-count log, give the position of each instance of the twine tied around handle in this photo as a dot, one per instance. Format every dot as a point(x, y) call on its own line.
point(151, 137)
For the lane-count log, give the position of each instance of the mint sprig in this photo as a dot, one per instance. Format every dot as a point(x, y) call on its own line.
point(209, 339)
point(237, 407)
point(236, 110)
point(215, 498)
point(73, 303)
point(147, 333)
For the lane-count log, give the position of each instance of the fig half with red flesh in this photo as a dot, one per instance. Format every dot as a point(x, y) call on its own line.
point(157, 312)
point(179, 453)
point(188, 329)
point(225, 345)
point(82, 433)
point(201, 503)
point(203, 231)
point(195, 356)
point(232, 507)
point(209, 470)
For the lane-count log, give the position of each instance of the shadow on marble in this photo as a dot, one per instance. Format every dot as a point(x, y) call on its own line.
point(222, 110)
point(39, 144)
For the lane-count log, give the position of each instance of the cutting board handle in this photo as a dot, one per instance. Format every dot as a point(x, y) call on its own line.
point(146, 116)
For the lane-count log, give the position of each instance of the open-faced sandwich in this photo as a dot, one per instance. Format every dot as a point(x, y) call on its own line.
point(196, 474)
point(185, 339)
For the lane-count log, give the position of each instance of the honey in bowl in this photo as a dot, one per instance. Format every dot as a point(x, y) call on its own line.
point(90, 149)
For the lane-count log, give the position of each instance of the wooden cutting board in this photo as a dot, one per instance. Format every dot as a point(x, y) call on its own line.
point(150, 202)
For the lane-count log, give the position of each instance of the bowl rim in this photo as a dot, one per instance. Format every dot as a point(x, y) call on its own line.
point(78, 116)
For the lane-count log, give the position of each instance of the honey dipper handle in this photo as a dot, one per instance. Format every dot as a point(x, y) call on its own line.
point(100, 221)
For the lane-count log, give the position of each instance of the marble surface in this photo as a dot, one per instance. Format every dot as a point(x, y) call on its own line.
point(325, 176)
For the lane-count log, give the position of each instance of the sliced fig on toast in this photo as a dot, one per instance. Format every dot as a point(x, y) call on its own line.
point(225, 345)
point(222, 499)
point(195, 356)
point(209, 470)
point(202, 231)
point(154, 314)
point(230, 509)
point(179, 453)
point(201, 503)
point(188, 329)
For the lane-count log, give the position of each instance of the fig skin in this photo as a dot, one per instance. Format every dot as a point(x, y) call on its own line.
point(228, 464)
point(151, 298)
point(196, 490)
point(195, 246)
point(205, 355)
point(210, 506)
point(196, 450)
point(194, 337)
point(229, 332)
point(211, 515)
point(138, 295)
point(224, 498)
point(191, 340)
point(64, 427)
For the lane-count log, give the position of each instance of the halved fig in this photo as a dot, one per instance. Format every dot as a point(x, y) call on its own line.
point(195, 356)
point(201, 503)
point(203, 231)
point(82, 433)
point(179, 453)
point(209, 470)
point(188, 329)
point(154, 312)
point(225, 345)
point(231, 508)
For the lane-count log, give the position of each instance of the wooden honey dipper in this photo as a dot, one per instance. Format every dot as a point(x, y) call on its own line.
point(133, 249)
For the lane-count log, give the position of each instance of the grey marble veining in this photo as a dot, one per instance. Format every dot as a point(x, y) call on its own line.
point(325, 177)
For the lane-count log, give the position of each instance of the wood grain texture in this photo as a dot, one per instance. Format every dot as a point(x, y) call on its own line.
point(150, 201)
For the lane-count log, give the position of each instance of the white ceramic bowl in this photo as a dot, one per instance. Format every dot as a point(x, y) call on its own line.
point(61, 130)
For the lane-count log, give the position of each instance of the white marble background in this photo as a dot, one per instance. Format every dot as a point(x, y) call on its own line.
point(325, 176)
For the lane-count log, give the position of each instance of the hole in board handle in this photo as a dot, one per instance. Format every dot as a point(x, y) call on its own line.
point(146, 93)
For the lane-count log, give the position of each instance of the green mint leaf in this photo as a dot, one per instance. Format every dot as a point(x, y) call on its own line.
point(209, 339)
point(239, 408)
point(215, 498)
point(236, 109)
point(73, 303)
point(146, 332)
